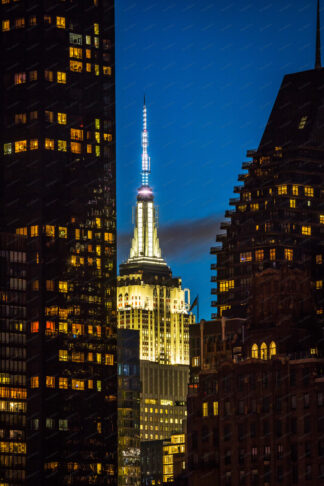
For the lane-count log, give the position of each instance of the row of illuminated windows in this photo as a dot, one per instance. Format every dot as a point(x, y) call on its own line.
point(13, 407)
point(225, 285)
point(63, 327)
point(21, 22)
point(49, 144)
point(62, 232)
point(13, 447)
point(77, 67)
point(15, 393)
point(206, 411)
point(264, 352)
point(282, 190)
point(61, 118)
point(96, 468)
point(66, 383)
point(21, 78)
point(247, 256)
point(80, 357)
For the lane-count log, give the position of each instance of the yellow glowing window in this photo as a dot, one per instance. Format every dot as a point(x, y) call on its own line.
point(89, 148)
point(319, 259)
point(50, 381)
point(96, 42)
point(63, 327)
point(109, 237)
point(76, 147)
point(295, 190)
point(98, 222)
point(7, 148)
point(77, 384)
point(78, 329)
point(88, 53)
point(61, 77)
point(21, 146)
point(63, 355)
point(97, 137)
point(97, 69)
point(89, 235)
point(319, 284)
point(61, 118)
point(50, 285)
point(205, 409)
point(77, 234)
point(76, 66)
point(34, 326)
point(259, 255)
point(109, 359)
point(241, 208)
point(47, 19)
point(255, 351)
point(49, 143)
point(289, 254)
point(63, 383)
point(63, 286)
point(61, 145)
point(98, 358)
point(76, 52)
point(62, 232)
point(272, 349)
point(302, 122)
point(19, 23)
point(50, 230)
point(88, 67)
point(49, 116)
point(106, 70)
point(226, 285)
point(88, 40)
point(263, 351)
point(254, 207)
point(90, 355)
point(60, 22)
point(34, 231)
point(97, 150)
point(97, 124)
point(76, 134)
point(306, 230)
point(32, 20)
point(77, 357)
point(34, 382)
point(98, 249)
point(272, 253)
point(309, 191)
point(33, 75)
point(20, 78)
point(5, 25)
point(292, 203)
point(96, 29)
point(215, 408)
point(48, 75)
point(321, 218)
point(107, 137)
point(33, 144)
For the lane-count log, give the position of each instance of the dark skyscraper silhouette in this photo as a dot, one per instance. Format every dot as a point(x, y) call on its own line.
point(57, 125)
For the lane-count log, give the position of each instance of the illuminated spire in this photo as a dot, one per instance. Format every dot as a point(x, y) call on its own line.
point(318, 63)
point(146, 163)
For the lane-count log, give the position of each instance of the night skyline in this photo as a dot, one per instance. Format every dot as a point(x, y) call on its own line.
point(235, 58)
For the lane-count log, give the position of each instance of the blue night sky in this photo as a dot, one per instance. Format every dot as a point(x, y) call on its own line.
point(210, 71)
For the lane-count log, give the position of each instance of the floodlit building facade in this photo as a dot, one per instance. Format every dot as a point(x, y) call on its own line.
point(152, 301)
point(57, 129)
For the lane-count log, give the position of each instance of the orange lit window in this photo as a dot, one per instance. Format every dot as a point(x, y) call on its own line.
point(49, 144)
point(77, 329)
point(205, 409)
point(289, 254)
point(61, 118)
point(5, 25)
point(20, 118)
point(107, 137)
point(34, 326)
point(50, 381)
point(77, 384)
point(98, 358)
point(50, 285)
point(306, 230)
point(21, 146)
point(50, 230)
point(49, 116)
point(109, 237)
point(292, 203)
point(88, 53)
point(63, 286)
point(63, 383)
point(88, 67)
point(61, 145)
point(77, 234)
point(34, 231)
point(76, 66)
point(61, 77)
point(90, 356)
point(33, 76)
point(89, 148)
point(33, 144)
point(321, 219)
point(98, 331)
point(254, 207)
point(63, 355)
point(20, 78)
point(263, 351)
point(295, 190)
point(76, 134)
point(272, 253)
point(32, 20)
point(97, 69)
point(50, 327)
point(76, 147)
point(319, 259)
point(48, 75)
point(47, 19)
point(77, 357)
point(90, 384)
point(106, 70)
point(319, 284)
point(76, 52)
point(34, 382)
point(259, 255)
point(60, 22)
point(246, 257)
point(109, 359)
point(309, 191)
point(35, 285)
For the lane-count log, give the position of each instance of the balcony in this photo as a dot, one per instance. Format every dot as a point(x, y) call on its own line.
point(221, 238)
point(225, 225)
point(229, 213)
point(214, 316)
point(213, 291)
point(213, 278)
point(242, 177)
point(213, 266)
point(237, 189)
point(246, 165)
point(214, 303)
point(215, 249)
point(251, 153)
point(234, 200)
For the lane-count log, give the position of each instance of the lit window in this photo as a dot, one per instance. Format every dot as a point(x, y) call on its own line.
point(60, 22)
point(205, 409)
point(215, 408)
point(50, 327)
point(254, 207)
point(97, 124)
point(77, 234)
point(272, 349)
point(5, 25)
point(319, 259)
point(33, 75)
point(50, 381)
point(77, 384)
point(61, 145)
point(33, 115)
point(306, 230)
point(20, 78)
point(246, 256)
point(282, 190)
point(75, 39)
point(76, 66)
point(21, 146)
point(32, 20)
point(107, 137)
point(226, 285)
point(89, 148)
point(33, 144)
point(61, 77)
point(263, 351)
point(63, 286)
point(47, 19)
point(34, 231)
point(76, 134)
point(321, 218)
point(63, 424)
point(88, 40)
point(97, 137)
point(7, 148)
point(241, 208)
point(255, 351)
point(50, 285)
point(292, 203)
point(48, 75)
point(50, 230)
point(96, 29)
point(63, 383)
point(88, 67)
point(259, 255)
point(319, 284)
point(49, 144)
point(76, 147)
point(62, 232)
point(34, 382)
point(76, 52)
point(63, 355)
point(63, 327)
point(97, 69)
point(106, 70)
point(272, 253)
point(309, 191)
point(35, 285)
point(289, 254)
point(61, 118)
point(19, 23)
point(98, 222)
point(97, 150)
point(49, 116)
point(302, 122)
point(88, 53)
point(96, 42)
point(34, 326)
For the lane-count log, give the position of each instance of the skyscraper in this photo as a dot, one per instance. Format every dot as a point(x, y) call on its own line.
point(57, 125)
point(152, 301)
point(278, 217)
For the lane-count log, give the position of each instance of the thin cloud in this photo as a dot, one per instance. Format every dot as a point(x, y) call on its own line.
point(188, 239)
